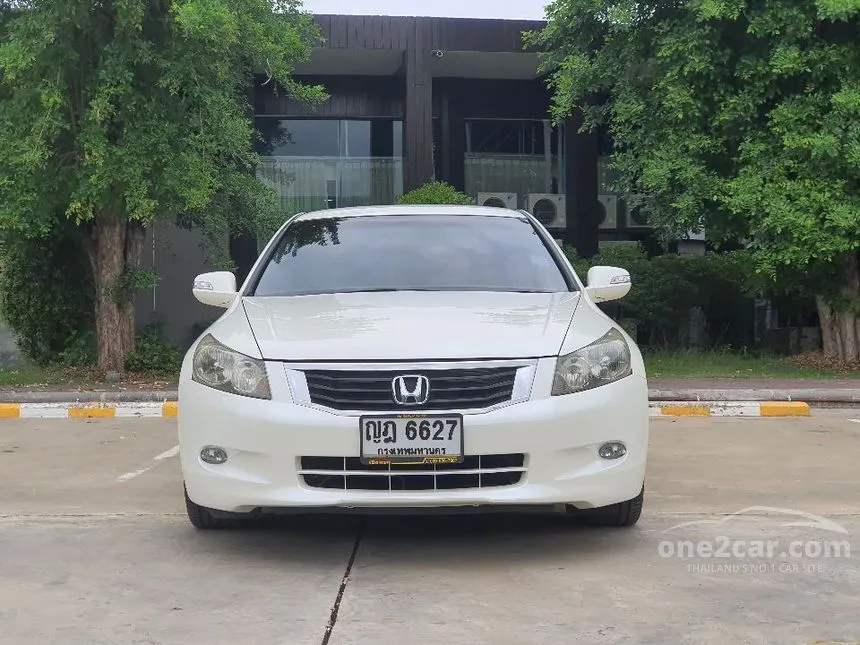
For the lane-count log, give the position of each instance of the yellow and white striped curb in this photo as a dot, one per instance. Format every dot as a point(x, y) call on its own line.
point(87, 410)
point(170, 409)
point(729, 409)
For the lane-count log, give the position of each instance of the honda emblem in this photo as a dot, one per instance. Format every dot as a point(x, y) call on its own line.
point(410, 389)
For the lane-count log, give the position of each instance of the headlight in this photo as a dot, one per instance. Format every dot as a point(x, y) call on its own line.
point(219, 367)
point(604, 361)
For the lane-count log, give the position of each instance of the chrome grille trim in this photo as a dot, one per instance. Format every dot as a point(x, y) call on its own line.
point(526, 370)
point(408, 473)
point(371, 390)
point(470, 475)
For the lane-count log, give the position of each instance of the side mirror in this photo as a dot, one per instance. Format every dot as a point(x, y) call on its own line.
point(607, 283)
point(217, 289)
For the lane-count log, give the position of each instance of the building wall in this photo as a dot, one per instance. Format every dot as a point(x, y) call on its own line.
point(177, 256)
point(349, 96)
point(400, 33)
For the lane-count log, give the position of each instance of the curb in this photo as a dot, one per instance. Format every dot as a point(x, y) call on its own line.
point(729, 409)
point(170, 409)
point(71, 397)
point(850, 396)
point(88, 410)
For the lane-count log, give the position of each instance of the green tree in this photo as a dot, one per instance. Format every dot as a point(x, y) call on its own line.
point(739, 116)
point(118, 113)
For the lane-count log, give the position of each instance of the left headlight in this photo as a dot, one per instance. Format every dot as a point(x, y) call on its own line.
point(604, 361)
point(221, 368)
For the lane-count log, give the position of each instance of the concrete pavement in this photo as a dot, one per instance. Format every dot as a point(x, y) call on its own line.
point(95, 548)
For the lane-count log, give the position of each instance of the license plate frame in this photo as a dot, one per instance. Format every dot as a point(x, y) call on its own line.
point(401, 421)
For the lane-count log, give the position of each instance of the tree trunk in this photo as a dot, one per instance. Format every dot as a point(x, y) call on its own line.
point(114, 244)
point(840, 326)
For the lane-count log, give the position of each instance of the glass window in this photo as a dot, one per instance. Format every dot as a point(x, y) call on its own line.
point(410, 252)
point(512, 137)
point(330, 137)
point(511, 156)
point(398, 139)
point(316, 163)
point(303, 138)
point(356, 139)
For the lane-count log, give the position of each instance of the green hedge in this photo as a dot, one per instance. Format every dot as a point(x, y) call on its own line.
point(436, 192)
point(46, 296)
point(666, 288)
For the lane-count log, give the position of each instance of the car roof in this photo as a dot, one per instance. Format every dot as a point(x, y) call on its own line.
point(418, 209)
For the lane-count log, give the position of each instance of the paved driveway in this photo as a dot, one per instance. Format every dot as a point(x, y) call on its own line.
point(95, 548)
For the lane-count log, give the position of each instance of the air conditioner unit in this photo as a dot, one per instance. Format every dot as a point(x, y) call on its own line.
point(692, 243)
point(695, 236)
point(498, 200)
point(608, 211)
point(635, 216)
point(549, 210)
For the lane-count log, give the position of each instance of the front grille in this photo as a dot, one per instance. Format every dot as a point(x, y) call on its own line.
point(348, 473)
point(371, 391)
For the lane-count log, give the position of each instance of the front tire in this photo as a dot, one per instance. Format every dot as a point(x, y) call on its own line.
point(203, 518)
point(622, 514)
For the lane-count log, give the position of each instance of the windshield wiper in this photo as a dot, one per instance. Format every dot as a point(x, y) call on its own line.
point(386, 289)
point(441, 289)
point(401, 289)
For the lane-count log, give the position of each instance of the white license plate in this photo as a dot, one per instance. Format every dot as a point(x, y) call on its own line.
point(411, 439)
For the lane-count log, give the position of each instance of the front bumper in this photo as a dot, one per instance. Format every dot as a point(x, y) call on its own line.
point(558, 437)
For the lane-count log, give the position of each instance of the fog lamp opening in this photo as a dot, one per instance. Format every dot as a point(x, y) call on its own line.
point(213, 455)
point(612, 450)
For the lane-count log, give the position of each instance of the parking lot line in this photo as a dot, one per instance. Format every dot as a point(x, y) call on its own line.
point(167, 454)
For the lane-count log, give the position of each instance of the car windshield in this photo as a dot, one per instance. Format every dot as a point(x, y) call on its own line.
point(409, 253)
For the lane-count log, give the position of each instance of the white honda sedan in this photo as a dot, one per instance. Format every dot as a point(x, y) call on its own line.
point(403, 358)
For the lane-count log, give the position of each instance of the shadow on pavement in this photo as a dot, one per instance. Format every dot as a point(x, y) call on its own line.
point(480, 539)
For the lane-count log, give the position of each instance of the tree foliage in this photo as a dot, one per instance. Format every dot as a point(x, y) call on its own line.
point(435, 192)
point(46, 292)
point(116, 114)
point(724, 286)
point(739, 116)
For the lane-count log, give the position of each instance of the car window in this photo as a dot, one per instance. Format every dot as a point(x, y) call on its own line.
point(410, 252)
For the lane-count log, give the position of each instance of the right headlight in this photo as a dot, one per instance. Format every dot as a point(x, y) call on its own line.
point(604, 361)
point(219, 367)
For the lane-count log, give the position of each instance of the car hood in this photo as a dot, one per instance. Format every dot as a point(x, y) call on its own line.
point(410, 325)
